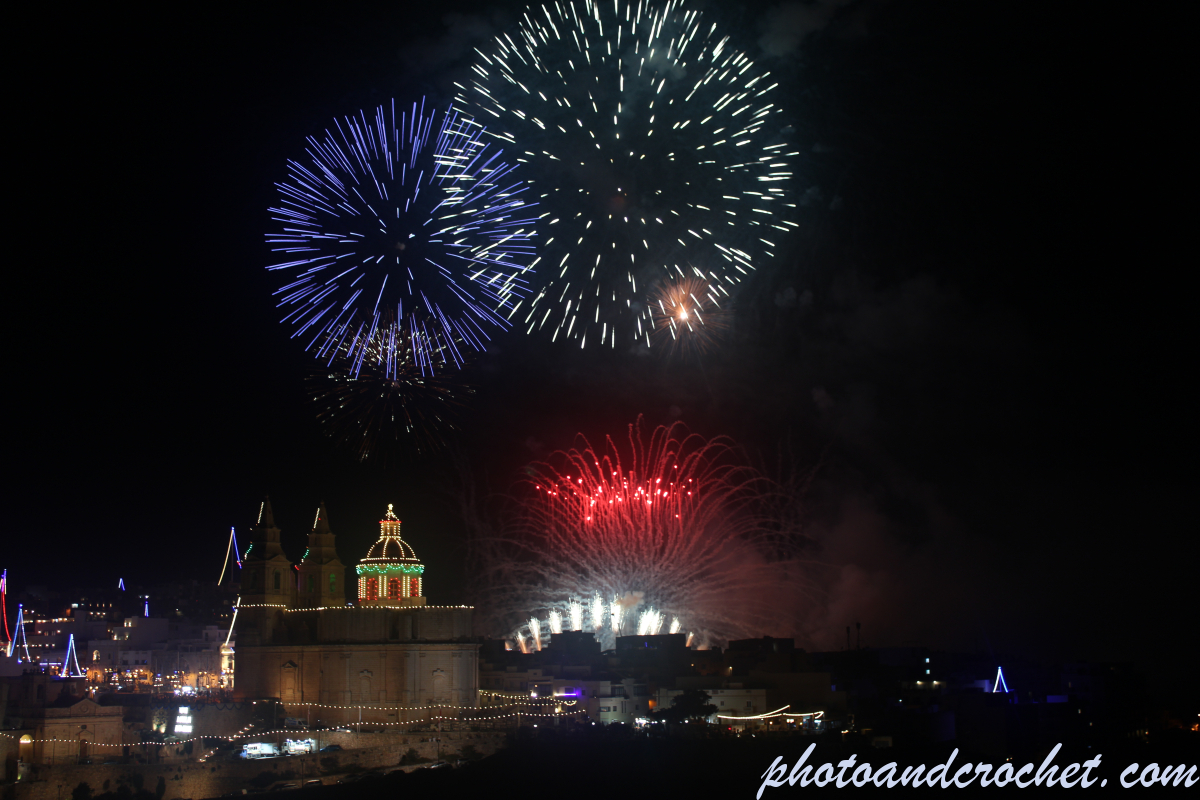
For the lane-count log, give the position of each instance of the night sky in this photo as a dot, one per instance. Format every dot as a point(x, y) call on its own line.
point(976, 338)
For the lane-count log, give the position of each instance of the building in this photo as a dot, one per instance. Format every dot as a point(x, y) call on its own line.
point(56, 723)
point(389, 656)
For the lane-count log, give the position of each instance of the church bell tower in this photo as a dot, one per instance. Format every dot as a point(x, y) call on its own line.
point(322, 575)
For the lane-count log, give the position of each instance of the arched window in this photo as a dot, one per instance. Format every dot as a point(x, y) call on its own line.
point(414, 587)
point(253, 580)
point(278, 577)
point(394, 588)
point(310, 583)
point(332, 582)
point(372, 588)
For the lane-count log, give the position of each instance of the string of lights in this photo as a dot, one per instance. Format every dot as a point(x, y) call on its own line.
point(286, 609)
point(779, 712)
point(527, 700)
point(335, 729)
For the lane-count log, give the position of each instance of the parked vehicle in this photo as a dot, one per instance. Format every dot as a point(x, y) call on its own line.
point(331, 748)
point(259, 750)
point(299, 747)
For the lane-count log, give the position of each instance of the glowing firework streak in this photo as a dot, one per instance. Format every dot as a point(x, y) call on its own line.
point(657, 149)
point(575, 611)
point(403, 230)
point(672, 522)
point(650, 622)
point(675, 625)
point(521, 644)
point(535, 632)
point(555, 621)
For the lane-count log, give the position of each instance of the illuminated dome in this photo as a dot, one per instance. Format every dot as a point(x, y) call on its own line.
point(390, 575)
point(390, 548)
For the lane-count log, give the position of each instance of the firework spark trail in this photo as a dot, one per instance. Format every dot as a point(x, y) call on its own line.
point(535, 632)
point(555, 621)
point(390, 405)
point(656, 149)
point(405, 227)
point(598, 612)
point(650, 622)
point(575, 612)
point(676, 523)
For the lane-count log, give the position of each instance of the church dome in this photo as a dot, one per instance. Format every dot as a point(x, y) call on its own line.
point(390, 548)
point(390, 575)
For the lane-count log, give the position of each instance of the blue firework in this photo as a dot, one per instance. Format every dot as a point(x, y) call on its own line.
point(407, 239)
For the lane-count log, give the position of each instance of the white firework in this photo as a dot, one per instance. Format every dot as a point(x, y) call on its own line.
point(597, 612)
point(575, 612)
point(535, 632)
point(657, 149)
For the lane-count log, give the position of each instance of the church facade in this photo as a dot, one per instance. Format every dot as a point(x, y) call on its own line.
point(387, 655)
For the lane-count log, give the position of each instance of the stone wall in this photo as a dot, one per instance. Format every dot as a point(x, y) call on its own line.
point(215, 778)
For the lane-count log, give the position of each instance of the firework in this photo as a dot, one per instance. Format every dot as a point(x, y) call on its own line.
point(404, 236)
point(555, 621)
point(535, 633)
point(673, 524)
point(575, 611)
point(656, 150)
point(598, 612)
point(385, 408)
point(650, 622)
point(687, 313)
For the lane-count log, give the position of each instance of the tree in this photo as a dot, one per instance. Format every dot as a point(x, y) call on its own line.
point(82, 792)
point(688, 705)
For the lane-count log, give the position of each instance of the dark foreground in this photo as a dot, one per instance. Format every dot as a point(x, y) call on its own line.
point(597, 763)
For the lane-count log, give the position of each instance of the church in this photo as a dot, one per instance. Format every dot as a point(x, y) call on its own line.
point(388, 654)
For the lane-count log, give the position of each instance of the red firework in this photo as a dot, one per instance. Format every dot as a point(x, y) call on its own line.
point(679, 522)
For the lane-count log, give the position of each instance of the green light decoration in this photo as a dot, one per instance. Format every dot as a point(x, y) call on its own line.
point(390, 569)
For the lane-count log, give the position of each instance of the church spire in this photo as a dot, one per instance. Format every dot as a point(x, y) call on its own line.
point(266, 517)
point(321, 525)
